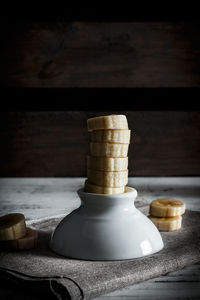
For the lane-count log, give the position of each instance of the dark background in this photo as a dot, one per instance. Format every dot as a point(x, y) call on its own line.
point(100, 54)
point(54, 75)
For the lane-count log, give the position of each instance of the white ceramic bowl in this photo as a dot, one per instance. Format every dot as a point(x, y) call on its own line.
point(106, 227)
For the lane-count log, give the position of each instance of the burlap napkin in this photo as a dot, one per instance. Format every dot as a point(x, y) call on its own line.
point(78, 279)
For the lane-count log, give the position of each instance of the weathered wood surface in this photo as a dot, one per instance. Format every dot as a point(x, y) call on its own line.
point(55, 143)
point(43, 197)
point(179, 285)
point(100, 54)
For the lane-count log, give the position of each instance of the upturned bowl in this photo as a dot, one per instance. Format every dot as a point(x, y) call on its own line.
point(106, 227)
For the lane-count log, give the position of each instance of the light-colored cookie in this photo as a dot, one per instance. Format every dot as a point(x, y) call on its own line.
point(92, 188)
point(108, 149)
point(107, 163)
point(167, 224)
point(111, 136)
point(28, 241)
point(166, 207)
point(108, 179)
point(12, 226)
point(107, 122)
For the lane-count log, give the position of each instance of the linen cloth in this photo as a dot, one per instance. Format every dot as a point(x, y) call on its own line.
point(41, 268)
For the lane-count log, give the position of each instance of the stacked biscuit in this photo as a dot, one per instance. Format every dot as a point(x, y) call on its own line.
point(107, 164)
point(166, 213)
point(14, 234)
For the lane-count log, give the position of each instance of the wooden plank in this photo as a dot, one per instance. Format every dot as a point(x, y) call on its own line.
point(182, 284)
point(56, 143)
point(37, 197)
point(101, 54)
point(42, 197)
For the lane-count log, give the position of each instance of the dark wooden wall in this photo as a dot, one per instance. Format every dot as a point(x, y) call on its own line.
point(104, 55)
point(55, 143)
point(100, 54)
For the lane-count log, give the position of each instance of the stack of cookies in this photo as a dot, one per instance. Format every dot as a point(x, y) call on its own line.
point(107, 164)
point(14, 234)
point(166, 213)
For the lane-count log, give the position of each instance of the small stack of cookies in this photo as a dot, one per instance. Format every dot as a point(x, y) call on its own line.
point(14, 234)
point(107, 164)
point(166, 213)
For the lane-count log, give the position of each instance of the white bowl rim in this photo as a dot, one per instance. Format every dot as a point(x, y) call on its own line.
point(131, 191)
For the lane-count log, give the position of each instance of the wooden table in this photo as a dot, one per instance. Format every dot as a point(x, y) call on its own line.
point(43, 197)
